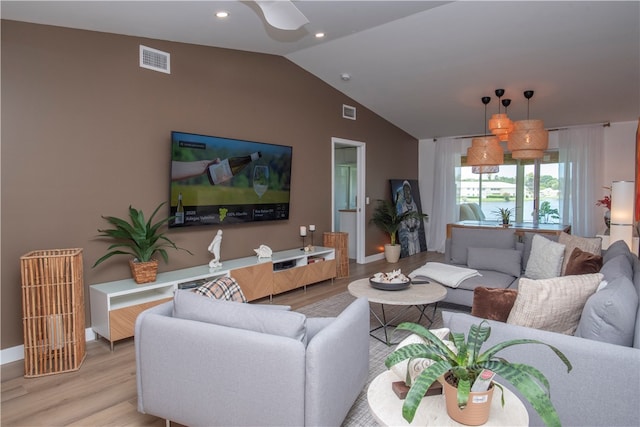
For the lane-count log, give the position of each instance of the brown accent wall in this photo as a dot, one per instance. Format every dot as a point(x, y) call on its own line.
point(86, 132)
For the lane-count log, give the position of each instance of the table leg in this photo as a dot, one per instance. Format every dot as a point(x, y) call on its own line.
point(384, 324)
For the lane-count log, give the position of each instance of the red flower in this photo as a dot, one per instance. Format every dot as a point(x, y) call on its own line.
point(605, 201)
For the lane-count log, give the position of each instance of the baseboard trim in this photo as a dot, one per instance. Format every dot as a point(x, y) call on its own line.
point(13, 354)
point(372, 258)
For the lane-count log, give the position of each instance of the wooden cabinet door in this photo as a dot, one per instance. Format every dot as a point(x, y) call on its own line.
point(256, 281)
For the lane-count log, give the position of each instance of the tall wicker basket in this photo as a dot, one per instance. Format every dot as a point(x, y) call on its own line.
point(53, 311)
point(339, 241)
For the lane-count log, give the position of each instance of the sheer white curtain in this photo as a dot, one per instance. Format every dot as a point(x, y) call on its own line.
point(580, 157)
point(447, 165)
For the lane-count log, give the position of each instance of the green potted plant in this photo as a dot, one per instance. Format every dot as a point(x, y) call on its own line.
point(545, 213)
point(386, 217)
point(465, 365)
point(141, 239)
point(504, 214)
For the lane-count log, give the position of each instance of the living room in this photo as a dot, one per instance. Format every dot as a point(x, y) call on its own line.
point(92, 132)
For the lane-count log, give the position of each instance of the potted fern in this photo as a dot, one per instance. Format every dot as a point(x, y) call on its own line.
point(140, 239)
point(386, 217)
point(505, 215)
point(459, 370)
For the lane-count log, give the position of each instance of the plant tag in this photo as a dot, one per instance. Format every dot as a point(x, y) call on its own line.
point(483, 381)
point(480, 399)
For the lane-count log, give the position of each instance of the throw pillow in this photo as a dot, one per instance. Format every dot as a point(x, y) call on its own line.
point(191, 306)
point(616, 267)
point(553, 304)
point(545, 260)
point(464, 238)
point(503, 260)
point(610, 314)
point(619, 247)
point(225, 288)
point(587, 244)
point(527, 241)
point(493, 303)
point(581, 262)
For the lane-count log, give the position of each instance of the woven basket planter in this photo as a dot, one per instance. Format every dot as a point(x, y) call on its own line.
point(144, 272)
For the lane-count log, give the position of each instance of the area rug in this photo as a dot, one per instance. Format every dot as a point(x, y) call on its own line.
point(359, 414)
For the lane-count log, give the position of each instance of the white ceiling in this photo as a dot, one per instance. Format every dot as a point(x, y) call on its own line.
point(422, 65)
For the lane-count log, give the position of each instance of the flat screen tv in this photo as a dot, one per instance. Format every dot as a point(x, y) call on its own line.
point(217, 180)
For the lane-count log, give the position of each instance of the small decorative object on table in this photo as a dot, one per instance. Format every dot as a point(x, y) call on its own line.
point(141, 239)
point(505, 215)
point(394, 281)
point(312, 229)
point(606, 202)
point(263, 251)
point(463, 372)
point(214, 248)
point(303, 234)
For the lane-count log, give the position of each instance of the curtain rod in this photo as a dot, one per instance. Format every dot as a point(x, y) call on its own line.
point(604, 124)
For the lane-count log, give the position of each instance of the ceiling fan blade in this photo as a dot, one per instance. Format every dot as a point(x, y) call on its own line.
point(282, 14)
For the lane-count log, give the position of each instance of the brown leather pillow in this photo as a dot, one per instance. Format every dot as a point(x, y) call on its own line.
point(581, 262)
point(493, 303)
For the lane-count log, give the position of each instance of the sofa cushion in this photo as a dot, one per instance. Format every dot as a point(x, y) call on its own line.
point(581, 262)
point(527, 241)
point(502, 260)
point(493, 303)
point(616, 267)
point(225, 288)
point(610, 314)
point(587, 244)
point(619, 247)
point(553, 304)
point(545, 260)
point(191, 306)
point(464, 238)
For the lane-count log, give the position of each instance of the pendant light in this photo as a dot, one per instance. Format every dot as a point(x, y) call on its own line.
point(529, 138)
point(486, 150)
point(500, 124)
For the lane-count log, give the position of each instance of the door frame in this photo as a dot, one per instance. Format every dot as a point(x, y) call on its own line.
point(360, 193)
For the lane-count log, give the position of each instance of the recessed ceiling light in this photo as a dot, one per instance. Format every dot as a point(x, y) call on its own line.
point(222, 14)
point(319, 35)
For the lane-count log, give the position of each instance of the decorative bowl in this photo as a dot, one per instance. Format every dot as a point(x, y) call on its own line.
point(389, 286)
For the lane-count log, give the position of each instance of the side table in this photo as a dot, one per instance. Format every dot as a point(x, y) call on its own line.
point(386, 407)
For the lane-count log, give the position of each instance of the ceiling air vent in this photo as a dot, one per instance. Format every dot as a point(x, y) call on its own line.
point(154, 59)
point(348, 112)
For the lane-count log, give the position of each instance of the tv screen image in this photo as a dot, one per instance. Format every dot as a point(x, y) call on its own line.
point(217, 180)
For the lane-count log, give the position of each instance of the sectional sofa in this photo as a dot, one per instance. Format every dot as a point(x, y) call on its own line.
point(603, 387)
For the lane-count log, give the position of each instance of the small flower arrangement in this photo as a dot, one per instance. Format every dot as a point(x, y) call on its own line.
point(605, 201)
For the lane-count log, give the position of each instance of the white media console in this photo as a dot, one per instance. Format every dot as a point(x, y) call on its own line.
point(116, 305)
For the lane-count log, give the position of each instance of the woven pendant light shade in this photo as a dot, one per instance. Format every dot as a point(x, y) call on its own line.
point(485, 169)
point(485, 151)
point(501, 125)
point(528, 140)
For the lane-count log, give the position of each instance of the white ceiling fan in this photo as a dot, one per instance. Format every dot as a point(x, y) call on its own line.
point(282, 14)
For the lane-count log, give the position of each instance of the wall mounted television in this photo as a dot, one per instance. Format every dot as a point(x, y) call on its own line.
point(217, 180)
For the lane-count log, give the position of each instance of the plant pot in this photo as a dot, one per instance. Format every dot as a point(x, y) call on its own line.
point(477, 410)
point(392, 253)
point(144, 272)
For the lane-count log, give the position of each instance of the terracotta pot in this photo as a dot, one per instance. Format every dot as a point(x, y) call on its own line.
point(477, 410)
point(392, 253)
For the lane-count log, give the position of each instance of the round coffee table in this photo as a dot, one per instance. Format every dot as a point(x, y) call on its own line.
point(419, 296)
point(386, 407)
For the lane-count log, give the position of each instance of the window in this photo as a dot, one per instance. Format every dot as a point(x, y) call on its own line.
point(513, 186)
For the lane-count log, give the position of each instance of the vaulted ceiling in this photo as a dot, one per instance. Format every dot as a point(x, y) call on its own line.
point(422, 65)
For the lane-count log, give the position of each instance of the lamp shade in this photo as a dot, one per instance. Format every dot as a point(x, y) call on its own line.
point(501, 125)
point(485, 151)
point(485, 169)
point(622, 202)
point(528, 140)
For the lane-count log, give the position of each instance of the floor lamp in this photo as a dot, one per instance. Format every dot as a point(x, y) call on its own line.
point(622, 204)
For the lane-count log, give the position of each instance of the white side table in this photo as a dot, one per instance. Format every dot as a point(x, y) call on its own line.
point(386, 407)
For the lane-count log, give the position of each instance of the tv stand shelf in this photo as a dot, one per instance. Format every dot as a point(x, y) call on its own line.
point(116, 305)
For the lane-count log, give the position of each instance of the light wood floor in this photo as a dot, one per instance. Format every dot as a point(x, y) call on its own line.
point(103, 391)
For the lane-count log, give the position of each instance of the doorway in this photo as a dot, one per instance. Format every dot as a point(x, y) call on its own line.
point(348, 193)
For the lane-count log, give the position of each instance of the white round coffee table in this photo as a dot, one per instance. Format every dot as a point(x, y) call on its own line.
point(419, 296)
point(386, 407)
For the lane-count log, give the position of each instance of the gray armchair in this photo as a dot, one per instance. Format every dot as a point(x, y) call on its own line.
point(249, 364)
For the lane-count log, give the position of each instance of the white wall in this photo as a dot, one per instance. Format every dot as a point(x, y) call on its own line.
point(618, 161)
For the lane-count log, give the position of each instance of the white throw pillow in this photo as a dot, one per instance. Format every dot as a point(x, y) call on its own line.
point(553, 304)
point(545, 260)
